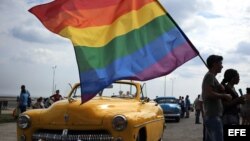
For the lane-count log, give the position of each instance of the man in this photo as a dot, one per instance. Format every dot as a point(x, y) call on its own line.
point(187, 106)
point(212, 96)
point(198, 108)
point(23, 99)
point(56, 97)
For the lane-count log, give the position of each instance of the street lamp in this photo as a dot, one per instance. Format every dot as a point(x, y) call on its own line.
point(172, 85)
point(53, 85)
point(164, 86)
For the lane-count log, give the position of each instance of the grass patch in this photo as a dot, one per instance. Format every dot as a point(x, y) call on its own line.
point(5, 118)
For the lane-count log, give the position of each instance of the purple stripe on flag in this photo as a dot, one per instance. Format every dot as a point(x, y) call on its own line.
point(170, 62)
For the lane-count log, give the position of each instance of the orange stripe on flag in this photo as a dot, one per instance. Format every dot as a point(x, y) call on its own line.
point(80, 15)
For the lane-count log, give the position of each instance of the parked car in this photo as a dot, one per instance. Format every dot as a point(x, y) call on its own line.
point(116, 114)
point(170, 107)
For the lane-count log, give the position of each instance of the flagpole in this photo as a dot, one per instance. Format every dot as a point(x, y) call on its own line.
point(191, 44)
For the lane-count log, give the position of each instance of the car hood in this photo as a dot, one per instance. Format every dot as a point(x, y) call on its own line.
point(90, 113)
point(169, 105)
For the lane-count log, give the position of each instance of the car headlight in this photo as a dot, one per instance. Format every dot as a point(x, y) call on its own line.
point(119, 122)
point(23, 121)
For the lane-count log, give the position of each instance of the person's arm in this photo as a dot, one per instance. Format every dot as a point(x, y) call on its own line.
point(28, 92)
point(234, 102)
point(210, 93)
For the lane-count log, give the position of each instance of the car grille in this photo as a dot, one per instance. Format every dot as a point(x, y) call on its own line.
point(71, 135)
point(169, 112)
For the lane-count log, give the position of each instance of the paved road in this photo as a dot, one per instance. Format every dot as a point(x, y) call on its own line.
point(8, 132)
point(185, 130)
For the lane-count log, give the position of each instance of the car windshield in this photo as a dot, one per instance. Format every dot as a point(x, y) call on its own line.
point(166, 100)
point(116, 90)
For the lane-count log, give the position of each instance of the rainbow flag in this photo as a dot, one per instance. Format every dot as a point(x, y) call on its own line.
point(117, 39)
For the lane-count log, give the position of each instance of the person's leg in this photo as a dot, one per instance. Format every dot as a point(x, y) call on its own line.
point(187, 113)
point(197, 116)
point(182, 112)
point(204, 132)
point(199, 113)
point(214, 129)
point(21, 108)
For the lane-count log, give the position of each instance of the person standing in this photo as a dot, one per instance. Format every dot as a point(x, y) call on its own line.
point(23, 99)
point(187, 106)
point(212, 100)
point(231, 108)
point(198, 108)
point(182, 104)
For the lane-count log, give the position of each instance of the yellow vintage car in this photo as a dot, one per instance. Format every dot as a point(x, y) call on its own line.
point(118, 113)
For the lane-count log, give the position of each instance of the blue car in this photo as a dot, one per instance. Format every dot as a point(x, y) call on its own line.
point(170, 107)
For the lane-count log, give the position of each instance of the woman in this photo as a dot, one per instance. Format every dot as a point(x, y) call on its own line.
point(232, 107)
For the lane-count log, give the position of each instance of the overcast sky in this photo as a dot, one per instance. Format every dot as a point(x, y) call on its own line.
point(28, 51)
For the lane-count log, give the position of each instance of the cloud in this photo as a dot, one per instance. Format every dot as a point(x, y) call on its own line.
point(43, 56)
point(34, 56)
point(243, 48)
point(184, 10)
point(30, 33)
point(37, 1)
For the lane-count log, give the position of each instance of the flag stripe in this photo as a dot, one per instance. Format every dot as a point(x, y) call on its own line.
point(123, 45)
point(78, 13)
point(131, 65)
point(170, 62)
point(101, 35)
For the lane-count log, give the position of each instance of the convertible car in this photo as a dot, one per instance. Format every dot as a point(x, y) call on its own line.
point(118, 113)
point(170, 107)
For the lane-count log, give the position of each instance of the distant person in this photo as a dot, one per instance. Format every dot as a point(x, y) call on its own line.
point(128, 93)
point(245, 109)
point(56, 97)
point(23, 99)
point(187, 106)
point(231, 108)
point(120, 93)
point(179, 100)
point(39, 104)
point(212, 100)
point(47, 102)
point(182, 104)
point(198, 109)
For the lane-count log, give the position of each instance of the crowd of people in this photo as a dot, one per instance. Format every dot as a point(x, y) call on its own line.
point(185, 105)
point(24, 101)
